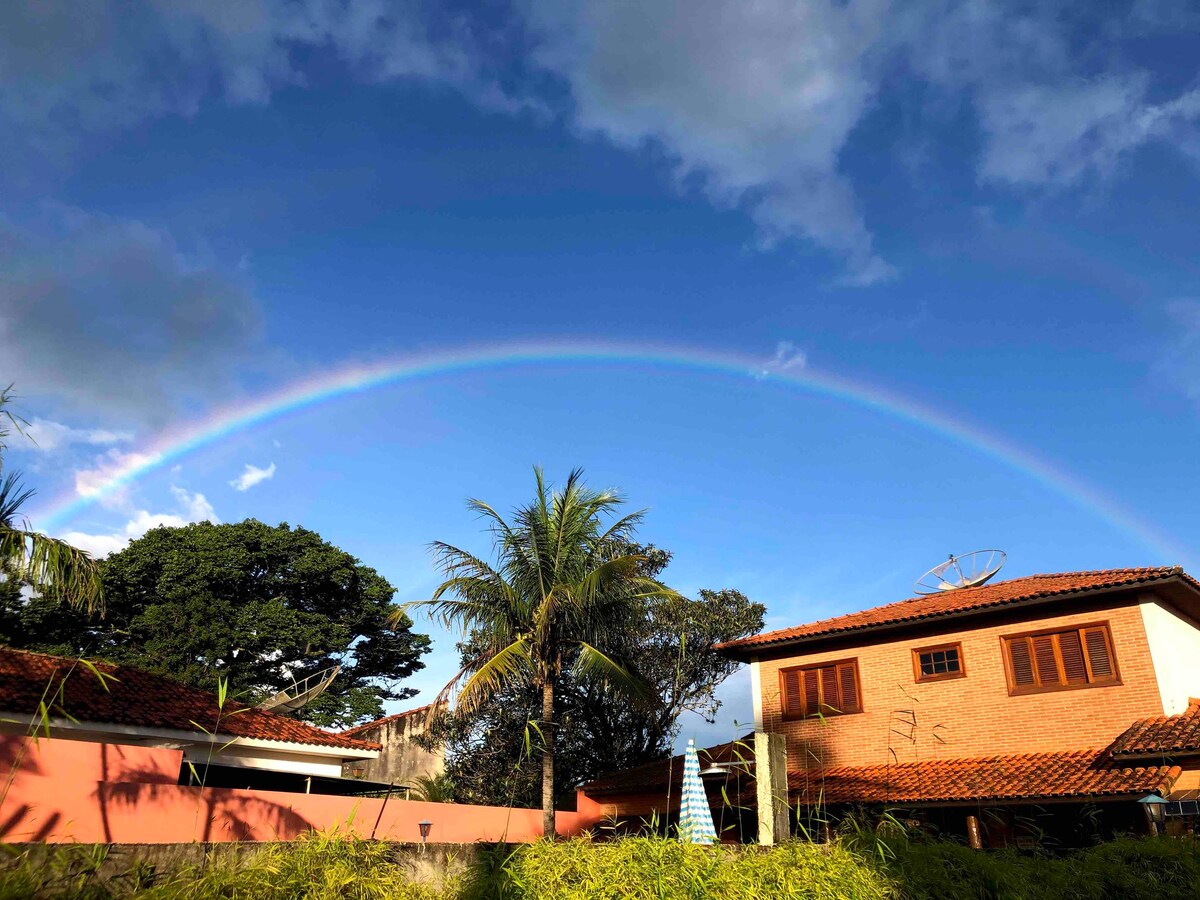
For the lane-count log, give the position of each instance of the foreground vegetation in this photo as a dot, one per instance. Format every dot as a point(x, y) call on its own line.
point(324, 867)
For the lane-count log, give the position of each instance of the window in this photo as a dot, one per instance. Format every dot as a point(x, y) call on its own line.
point(1060, 660)
point(938, 663)
point(830, 689)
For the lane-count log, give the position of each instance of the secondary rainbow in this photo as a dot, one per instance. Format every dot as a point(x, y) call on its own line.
point(171, 445)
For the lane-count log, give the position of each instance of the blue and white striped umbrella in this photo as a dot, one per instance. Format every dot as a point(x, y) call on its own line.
point(695, 817)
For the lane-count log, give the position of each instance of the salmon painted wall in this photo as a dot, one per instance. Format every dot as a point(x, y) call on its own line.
point(71, 791)
point(970, 716)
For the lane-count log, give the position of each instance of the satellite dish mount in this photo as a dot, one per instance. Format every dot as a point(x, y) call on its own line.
point(969, 570)
point(301, 692)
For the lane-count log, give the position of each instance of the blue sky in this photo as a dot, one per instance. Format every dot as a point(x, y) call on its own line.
point(986, 208)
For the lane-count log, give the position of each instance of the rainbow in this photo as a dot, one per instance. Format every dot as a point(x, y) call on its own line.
point(173, 444)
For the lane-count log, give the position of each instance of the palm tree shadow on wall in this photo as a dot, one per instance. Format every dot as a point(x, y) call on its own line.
point(238, 817)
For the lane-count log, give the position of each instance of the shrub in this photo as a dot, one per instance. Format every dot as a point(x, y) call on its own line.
point(324, 866)
point(655, 868)
point(332, 865)
point(1127, 869)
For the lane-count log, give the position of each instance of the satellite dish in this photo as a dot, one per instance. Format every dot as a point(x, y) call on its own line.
point(301, 692)
point(969, 570)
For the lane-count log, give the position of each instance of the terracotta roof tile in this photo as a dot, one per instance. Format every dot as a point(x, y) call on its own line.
point(367, 726)
point(998, 594)
point(655, 776)
point(1086, 773)
point(139, 699)
point(1161, 736)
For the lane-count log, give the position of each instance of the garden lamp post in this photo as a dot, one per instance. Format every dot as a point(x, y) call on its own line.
point(1156, 812)
point(424, 825)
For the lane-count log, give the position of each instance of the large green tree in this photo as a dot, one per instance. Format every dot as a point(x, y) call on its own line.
point(668, 646)
point(259, 605)
point(562, 590)
point(27, 557)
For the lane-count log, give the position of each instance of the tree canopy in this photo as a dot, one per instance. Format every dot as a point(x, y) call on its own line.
point(491, 748)
point(258, 604)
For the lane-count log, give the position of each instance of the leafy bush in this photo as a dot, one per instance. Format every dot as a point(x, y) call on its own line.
point(1127, 869)
point(68, 873)
point(648, 868)
point(326, 866)
point(331, 865)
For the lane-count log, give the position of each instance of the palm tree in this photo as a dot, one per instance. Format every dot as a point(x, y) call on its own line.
point(437, 788)
point(36, 559)
point(561, 588)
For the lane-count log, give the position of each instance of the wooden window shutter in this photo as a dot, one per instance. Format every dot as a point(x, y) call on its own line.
point(1022, 662)
point(848, 677)
point(1047, 665)
point(1071, 649)
point(793, 698)
point(829, 689)
point(1099, 657)
point(812, 696)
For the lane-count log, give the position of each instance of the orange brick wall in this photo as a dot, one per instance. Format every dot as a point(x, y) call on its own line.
point(976, 715)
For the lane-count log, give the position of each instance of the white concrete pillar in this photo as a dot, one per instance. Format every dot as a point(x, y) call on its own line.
point(770, 774)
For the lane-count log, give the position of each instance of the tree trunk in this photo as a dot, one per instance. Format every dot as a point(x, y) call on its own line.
point(548, 829)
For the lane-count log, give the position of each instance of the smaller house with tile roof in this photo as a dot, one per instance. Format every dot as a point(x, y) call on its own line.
point(402, 758)
point(999, 711)
point(228, 745)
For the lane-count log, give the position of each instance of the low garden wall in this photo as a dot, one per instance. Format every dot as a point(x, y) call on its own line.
point(60, 791)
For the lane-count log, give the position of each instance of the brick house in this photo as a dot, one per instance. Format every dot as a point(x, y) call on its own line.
point(1049, 703)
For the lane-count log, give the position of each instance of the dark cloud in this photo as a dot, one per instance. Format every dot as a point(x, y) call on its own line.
point(111, 317)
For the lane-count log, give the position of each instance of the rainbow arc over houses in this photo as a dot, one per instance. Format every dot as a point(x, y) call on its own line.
point(172, 444)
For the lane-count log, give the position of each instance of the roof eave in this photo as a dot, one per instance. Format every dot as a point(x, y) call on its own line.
point(180, 736)
point(748, 652)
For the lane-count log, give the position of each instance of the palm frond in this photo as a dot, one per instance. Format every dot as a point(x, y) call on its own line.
point(502, 668)
point(8, 418)
point(12, 497)
point(454, 562)
point(594, 664)
point(50, 564)
point(602, 578)
point(619, 530)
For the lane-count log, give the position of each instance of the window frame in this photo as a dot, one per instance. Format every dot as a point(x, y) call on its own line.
point(827, 712)
point(1015, 690)
point(921, 678)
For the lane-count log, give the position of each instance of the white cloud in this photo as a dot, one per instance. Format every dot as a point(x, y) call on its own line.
point(787, 356)
point(1050, 115)
point(191, 507)
point(48, 436)
point(251, 476)
point(195, 506)
point(754, 104)
point(111, 465)
point(67, 71)
point(755, 100)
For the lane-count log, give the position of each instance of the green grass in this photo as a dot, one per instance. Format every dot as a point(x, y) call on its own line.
point(329, 866)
